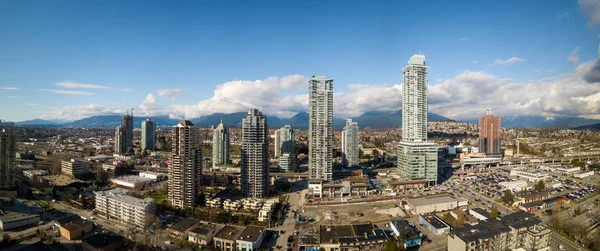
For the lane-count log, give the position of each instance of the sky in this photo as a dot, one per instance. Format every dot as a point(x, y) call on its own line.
point(67, 60)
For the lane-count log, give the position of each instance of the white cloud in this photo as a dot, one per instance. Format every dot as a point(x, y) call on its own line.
point(9, 88)
point(357, 86)
point(168, 92)
point(126, 89)
point(591, 8)
point(475, 62)
point(463, 39)
point(69, 84)
point(509, 61)
point(78, 112)
point(33, 105)
point(573, 57)
point(13, 97)
point(563, 16)
point(68, 92)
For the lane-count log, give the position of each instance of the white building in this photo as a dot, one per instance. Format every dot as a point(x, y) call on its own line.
point(582, 175)
point(131, 181)
point(350, 154)
point(251, 238)
point(33, 173)
point(286, 162)
point(532, 175)
point(417, 158)
point(284, 148)
point(514, 185)
point(116, 204)
point(320, 128)
point(75, 167)
point(154, 176)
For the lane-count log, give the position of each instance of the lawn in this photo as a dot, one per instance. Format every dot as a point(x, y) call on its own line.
point(158, 196)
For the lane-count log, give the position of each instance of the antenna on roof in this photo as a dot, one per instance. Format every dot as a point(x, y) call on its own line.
point(132, 111)
point(489, 110)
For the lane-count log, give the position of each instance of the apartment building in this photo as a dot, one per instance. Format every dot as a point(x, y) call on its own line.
point(255, 155)
point(7, 159)
point(116, 204)
point(350, 153)
point(75, 168)
point(185, 172)
point(320, 128)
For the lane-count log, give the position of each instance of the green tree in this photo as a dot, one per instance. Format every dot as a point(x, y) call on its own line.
point(508, 197)
point(202, 199)
point(540, 186)
point(494, 212)
point(101, 176)
point(391, 245)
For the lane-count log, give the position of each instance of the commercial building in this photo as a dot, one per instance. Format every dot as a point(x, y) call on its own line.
point(434, 203)
point(75, 168)
point(529, 174)
point(320, 128)
point(350, 155)
point(220, 146)
point(517, 185)
point(124, 135)
point(11, 220)
point(417, 158)
point(489, 134)
point(131, 181)
point(148, 135)
point(560, 169)
point(34, 173)
point(353, 237)
point(286, 162)
point(225, 240)
point(116, 204)
point(75, 229)
point(255, 155)
point(516, 231)
point(582, 174)
point(7, 159)
point(319, 188)
point(103, 242)
point(436, 225)
point(204, 233)
point(185, 172)
point(180, 229)
point(250, 239)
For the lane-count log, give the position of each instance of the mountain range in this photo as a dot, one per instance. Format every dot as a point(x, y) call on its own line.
point(372, 119)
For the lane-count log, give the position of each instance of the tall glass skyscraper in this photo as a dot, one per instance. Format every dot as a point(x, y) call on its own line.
point(287, 158)
point(417, 158)
point(220, 145)
point(124, 135)
point(255, 155)
point(320, 128)
point(350, 154)
point(148, 135)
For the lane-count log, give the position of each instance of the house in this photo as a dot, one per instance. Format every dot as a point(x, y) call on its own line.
point(203, 234)
point(180, 230)
point(412, 237)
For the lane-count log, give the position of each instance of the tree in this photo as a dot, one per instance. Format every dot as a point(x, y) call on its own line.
point(5, 239)
point(101, 176)
point(540, 186)
point(508, 197)
point(202, 199)
point(67, 196)
point(390, 245)
point(494, 212)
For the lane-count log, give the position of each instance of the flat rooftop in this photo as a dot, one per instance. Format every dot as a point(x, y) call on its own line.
point(251, 233)
point(102, 240)
point(429, 200)
point(435, 222)
point(230, 233)
point(184, 225)
point(121, 196)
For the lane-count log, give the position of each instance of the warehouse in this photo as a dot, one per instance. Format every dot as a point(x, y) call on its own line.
point(436, 203)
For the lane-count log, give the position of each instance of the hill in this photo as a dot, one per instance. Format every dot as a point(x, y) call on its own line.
point(379, 120)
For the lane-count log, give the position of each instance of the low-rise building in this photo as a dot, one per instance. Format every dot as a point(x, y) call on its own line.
point(180, 229)
point(532, 175)
point(75, 168)
point(434, 224)
point(32, 174)
point(345, 188)
point(412, 237)
point(116, 204)
point(131, 181)
point(250, 239)
point(435, 203)
point(407, 185)
point(225, 239)
point(103, 242)
point(353, 237)
point(203, 234)
point(75, 229)
point(582, 175)
point(517, 185)
point(214, 202)
point(530, 196)
point(11, 220)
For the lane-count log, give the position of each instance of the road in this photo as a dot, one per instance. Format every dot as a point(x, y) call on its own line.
point(557, 241)
point(296, 201)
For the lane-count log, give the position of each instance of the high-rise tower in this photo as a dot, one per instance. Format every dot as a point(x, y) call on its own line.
point(350, 154)
point(185, 171)
point(417, 158)
point(255, 155)
point(220, 144)
point(286, 147)
point(124, 135)
point(7, 159)
point(320, 128)
point(489, 133)
point(148, 135)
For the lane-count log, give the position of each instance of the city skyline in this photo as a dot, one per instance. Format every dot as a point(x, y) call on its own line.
point(486, 63)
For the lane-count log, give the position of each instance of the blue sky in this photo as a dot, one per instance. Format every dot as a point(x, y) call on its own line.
point(164, 58)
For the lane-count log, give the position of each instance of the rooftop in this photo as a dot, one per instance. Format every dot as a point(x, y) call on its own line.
point(184, 225)
point(121, 196)
point(102, 240)
point(484, 230)
point(251, 233)
point(520, 219)
point(435, 222)
point(436, 199)
point(230, 232)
